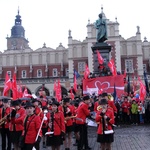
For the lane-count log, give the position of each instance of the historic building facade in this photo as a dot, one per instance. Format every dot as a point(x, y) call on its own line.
point(41, 67)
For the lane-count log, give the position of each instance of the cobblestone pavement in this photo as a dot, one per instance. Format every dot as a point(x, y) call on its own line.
point(126, 138)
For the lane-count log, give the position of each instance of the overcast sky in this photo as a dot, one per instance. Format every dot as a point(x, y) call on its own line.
point(49, 20)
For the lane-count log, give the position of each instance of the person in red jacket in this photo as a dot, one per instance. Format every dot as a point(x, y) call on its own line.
point(5, 115)
point(82, 113)
point(110, 102)
point(56, 126)
point(105, 119)
point(32, 125)
point(68, 111)
point(125, 110)
point(16, 123)
point(96, 104)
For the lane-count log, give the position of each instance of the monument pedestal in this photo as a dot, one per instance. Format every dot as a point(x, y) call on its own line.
point(104, 50)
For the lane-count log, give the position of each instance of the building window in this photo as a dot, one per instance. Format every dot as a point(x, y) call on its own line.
point(129, 65)
point(67, 72)
point(23, 74)
point(81, 67)
point(9, 73)
point(39, 73)
point(144, 68)
point(55, 72)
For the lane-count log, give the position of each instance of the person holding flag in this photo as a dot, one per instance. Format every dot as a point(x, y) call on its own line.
point(31, 134)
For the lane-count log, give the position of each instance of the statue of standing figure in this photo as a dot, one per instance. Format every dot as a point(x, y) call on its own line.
point(100, 25)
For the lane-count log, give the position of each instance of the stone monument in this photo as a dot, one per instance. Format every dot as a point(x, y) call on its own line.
point(101, 46)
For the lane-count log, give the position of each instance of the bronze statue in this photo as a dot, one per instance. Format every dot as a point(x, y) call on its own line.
point(100, 24)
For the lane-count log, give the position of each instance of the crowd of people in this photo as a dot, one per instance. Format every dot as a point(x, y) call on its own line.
point(24, 124)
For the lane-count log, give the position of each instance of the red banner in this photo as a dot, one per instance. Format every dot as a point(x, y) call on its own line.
point(104, 84)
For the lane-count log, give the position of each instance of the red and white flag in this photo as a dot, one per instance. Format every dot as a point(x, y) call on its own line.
point(7, 85)
point(100, 58)
point(25, 94)
point(112, 67)
point(86, 72)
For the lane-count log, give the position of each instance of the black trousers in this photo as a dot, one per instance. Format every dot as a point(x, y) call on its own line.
point(125, 117)
point(27, 146)
point(134, 118)
point(83, 140)
point(5, 133)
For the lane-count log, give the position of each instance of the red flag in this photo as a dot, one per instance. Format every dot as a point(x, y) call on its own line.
point(112, 67)
point(7, 85)
point(100, 59)
point(14, 87)
point(58, 91)
point(75, 83)
point(142, 90)
point(25, 94)
point(86, 72)
point(71, 94)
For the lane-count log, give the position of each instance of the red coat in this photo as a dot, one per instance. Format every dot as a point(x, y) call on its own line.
point(125, 107)
point(32, 129)
point(59, 124)
point(109, 113)
point(7, 112)
point(68, 122)
point(82, 113)
point(18, 120)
